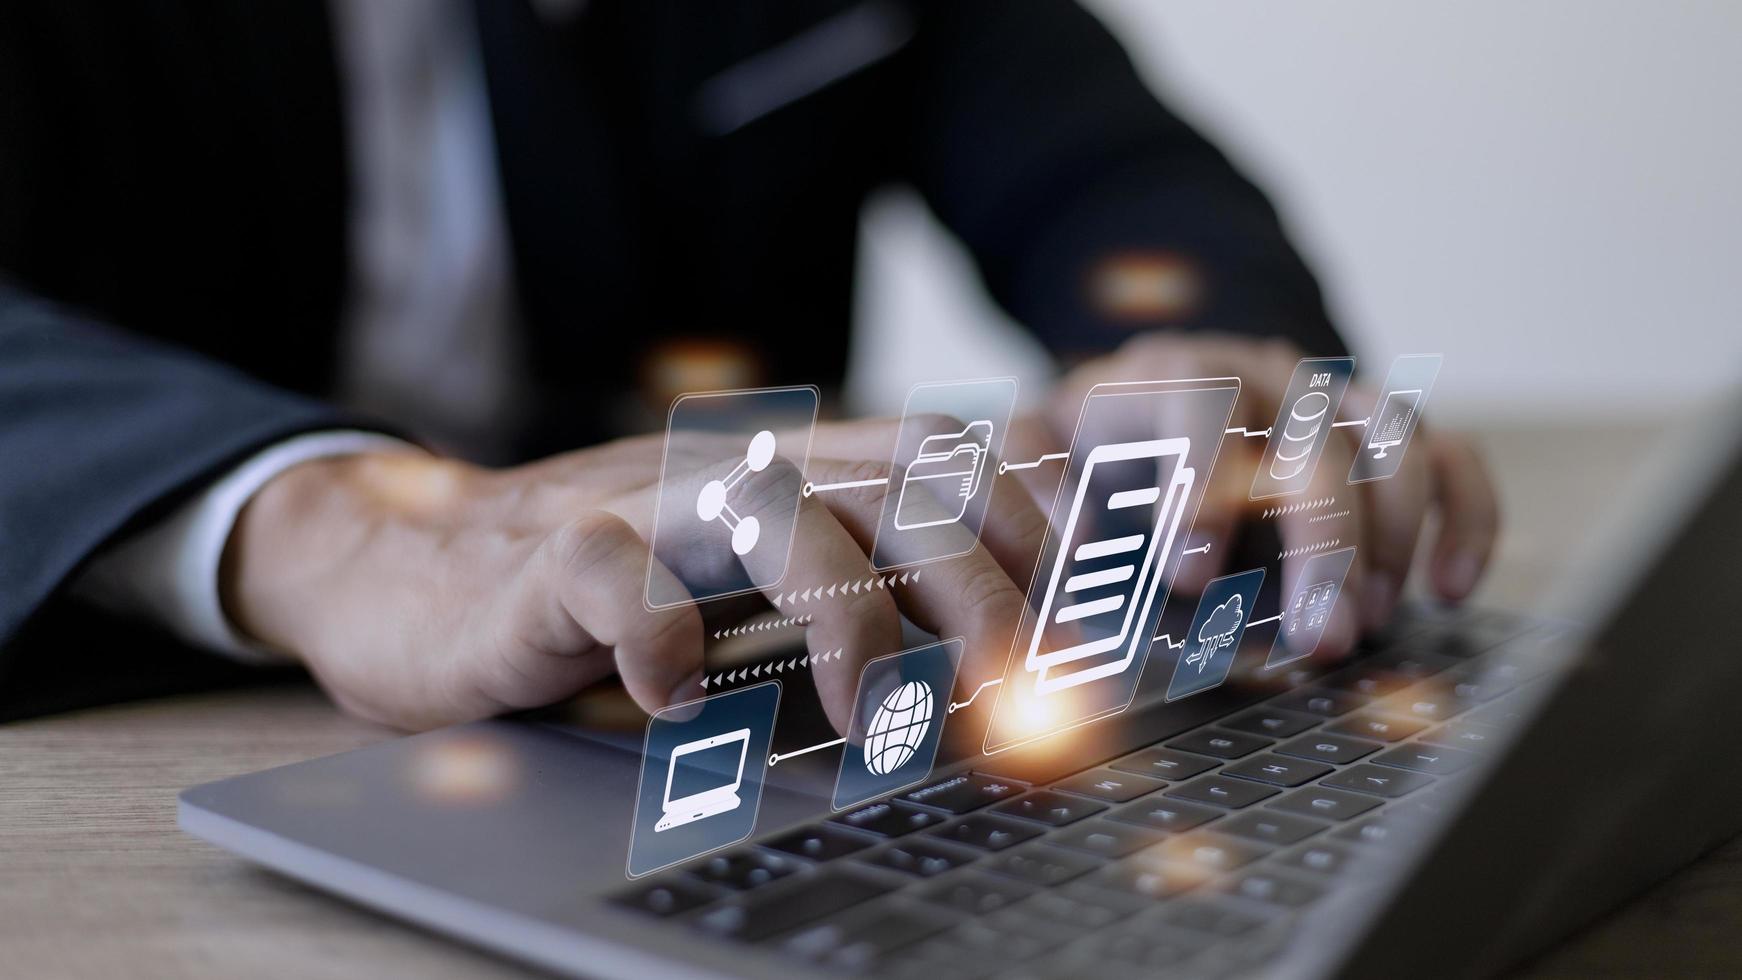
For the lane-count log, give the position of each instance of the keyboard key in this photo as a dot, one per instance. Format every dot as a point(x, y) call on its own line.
point(1372, 681)
point(856, 938)
point(1105, 784)
point(1430, 703)
point(987, 832)
point(1366, 778)
point(1085, 909)
point(1319, 701)
point(888, 819)
point(964, 794)
point(1389, 672)
point(1164, 764)
point(1043, 865)
point(1463, 735)
point(1376, 727)
point(920, 857)
point(742, 870)
point(1218, 742)
point(1508, 710)
point(764, 914)
point(1105, 839)
point(1277, 770)
point(1373, 830)
point(991, 946)
point(1272, 722)
point(1270, 827)
point(1323, 747)
point(1148, 879)
point(978, 894)
point(1164, 814)
point(1052, 809)
point(667, 897)
point(820, 843)
point(1430, 759)
point(1221, 791)
point(1151, 948)
point(1205, 850)
point(1215, 918)
point(1319, 857)
point(1275, 889)
point(1327, 804)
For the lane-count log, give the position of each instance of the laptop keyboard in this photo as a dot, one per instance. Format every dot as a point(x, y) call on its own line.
point(1185, 855)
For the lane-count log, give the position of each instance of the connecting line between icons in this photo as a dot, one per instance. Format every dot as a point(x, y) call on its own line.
point(1339, 425)
point(810, 488)
point(1167, 638)
point(1004, 467)
point(774, 758)
point(1202, 549)
point(1248, 433)
point(957, 706)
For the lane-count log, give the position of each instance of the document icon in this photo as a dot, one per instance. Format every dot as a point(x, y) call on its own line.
point(943, 477)
point(1122, 525)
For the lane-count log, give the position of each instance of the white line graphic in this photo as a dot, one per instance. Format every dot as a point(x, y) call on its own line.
point(1112, 546)
point(1248, 433)
point(776, 757)
point(1095, 608)
point(1007, 467)
point(1261, 622)
point(810, 488)
point(1094, 580)
point(1339, 425)
point(957, 706)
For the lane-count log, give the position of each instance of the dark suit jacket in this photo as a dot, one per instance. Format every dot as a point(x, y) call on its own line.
point(173, 201)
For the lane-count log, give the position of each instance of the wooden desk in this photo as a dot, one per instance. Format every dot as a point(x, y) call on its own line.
point(95, 880)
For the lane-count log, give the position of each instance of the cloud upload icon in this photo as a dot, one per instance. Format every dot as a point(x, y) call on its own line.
point(1217, 632)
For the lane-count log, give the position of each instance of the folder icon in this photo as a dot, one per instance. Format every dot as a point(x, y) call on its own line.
point(937, 486)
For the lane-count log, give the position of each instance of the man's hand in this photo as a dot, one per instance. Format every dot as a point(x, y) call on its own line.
point(423, 591)
point(1441, 474)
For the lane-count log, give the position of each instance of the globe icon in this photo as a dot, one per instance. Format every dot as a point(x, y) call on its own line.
point(897, 727)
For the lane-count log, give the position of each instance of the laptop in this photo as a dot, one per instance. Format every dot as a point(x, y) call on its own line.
point(700, 771)
point(1468, 789)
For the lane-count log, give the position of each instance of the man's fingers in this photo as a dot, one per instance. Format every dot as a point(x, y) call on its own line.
point(1392, 514)
point(971, 595)
point(1469, 514)
point(864, 624)
point(584, 592)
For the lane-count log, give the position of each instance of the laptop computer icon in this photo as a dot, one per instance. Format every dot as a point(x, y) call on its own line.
point(702, 779)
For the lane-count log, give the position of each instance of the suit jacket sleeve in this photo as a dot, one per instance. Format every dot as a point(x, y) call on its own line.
point(1093, 211)
point(101, 432)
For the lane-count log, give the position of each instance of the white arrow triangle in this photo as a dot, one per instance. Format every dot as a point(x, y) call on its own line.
point(704, 683)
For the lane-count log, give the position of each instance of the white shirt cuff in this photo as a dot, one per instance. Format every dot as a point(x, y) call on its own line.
point(168, 572)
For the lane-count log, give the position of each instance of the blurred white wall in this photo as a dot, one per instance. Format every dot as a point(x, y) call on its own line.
point(1548, 192)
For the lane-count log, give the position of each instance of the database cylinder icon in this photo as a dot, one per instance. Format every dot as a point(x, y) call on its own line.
point(1298, 435)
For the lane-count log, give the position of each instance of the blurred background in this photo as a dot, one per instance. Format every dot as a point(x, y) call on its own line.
point(1544, 192)
point(1548, 193)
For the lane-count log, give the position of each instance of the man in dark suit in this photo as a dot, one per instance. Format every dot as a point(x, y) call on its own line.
point(240, 240)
